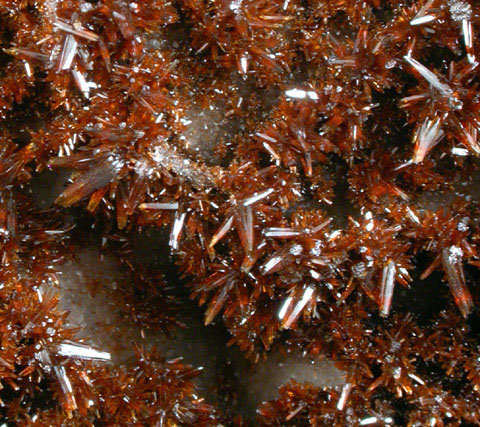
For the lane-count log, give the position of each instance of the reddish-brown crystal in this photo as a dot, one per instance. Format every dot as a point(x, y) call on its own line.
point(300, 159)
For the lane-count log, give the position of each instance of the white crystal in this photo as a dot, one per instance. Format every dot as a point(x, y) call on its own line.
point(460, 10)
point(81, 352)
point(434, 81)
point(296, 249)
point(301, 94)
point(426, 137)
point(368, 421)
point(422, 20)
point(68, 53)
point(457, 151)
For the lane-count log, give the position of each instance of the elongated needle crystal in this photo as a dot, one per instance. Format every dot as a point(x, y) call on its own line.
point(76, 30)
point(159, 206)
point(224, 228)
point(430, 77)
point(66, 386)
point(289, 312)
point(426, 137)
point(388, 285)
point(81, 351)
point(452, 263)
point(104, 172)
point(81, 82)
point(257, 197)
point(422, 20)
point(467, 32)
point(282, 233)
point(347, 388)
point(69, 51)
point(244, 224)
point(218, 302)
point(177, 228)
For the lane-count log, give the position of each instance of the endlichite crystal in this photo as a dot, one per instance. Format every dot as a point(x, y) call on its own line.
point(452, 259)
point(309, 171)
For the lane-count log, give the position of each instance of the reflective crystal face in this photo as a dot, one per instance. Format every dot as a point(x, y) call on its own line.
point(201, 200)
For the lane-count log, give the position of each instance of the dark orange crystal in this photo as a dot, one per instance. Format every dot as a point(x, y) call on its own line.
point(344, 163)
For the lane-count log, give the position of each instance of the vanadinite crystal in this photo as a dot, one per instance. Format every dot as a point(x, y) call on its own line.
point(301, 175)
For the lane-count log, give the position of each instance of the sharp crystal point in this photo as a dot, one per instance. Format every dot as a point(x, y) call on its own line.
point(266, 137)
point(100, 175)
point(223, 229)
point(469, 136)
point(321, 226)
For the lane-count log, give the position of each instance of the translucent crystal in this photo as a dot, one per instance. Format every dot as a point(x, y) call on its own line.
point(387, 287)
point(76, 30)
point(160, 206)
point(468, 34)
point(176, 231)
point(81, 82)
point(244, 224)
point(100, 175)
point(434, 81)
point(347, 388)
point(281, 233)
point(68, 53)
point(224, 229)
point(81, 351)
point(426, 137)
point(421, 17)
point(276, 260)
point(218, 301)
point(422, 20)
point(258, 197)
point(66, 386)
point(452, 258)
point(294, 305)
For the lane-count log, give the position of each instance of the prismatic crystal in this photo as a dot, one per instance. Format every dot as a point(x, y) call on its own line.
point(311, 168)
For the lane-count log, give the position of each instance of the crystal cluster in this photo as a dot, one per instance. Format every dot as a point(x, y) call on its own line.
point(331, 208)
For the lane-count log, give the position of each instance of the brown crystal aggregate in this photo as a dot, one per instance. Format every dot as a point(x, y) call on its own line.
point(332, 212)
